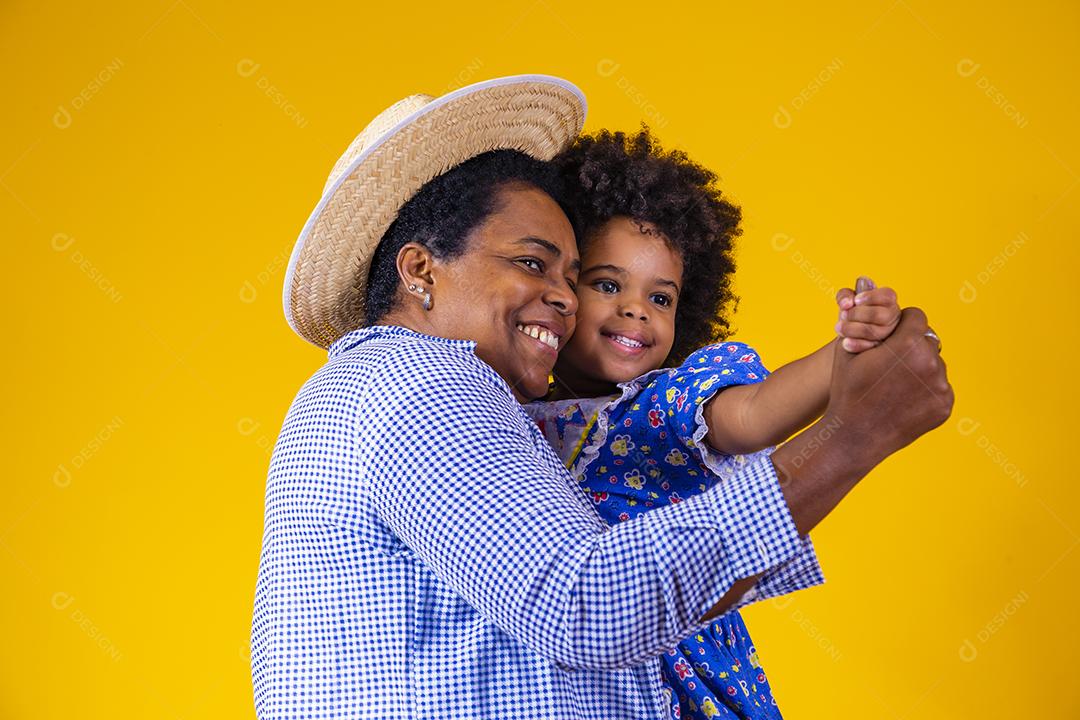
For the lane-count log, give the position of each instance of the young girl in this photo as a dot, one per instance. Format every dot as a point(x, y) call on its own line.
point(656, 240)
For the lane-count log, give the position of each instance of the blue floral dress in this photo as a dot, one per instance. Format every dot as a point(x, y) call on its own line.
point(642, 450)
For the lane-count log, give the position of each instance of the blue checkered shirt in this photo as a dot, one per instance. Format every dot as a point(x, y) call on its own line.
point(426, 554)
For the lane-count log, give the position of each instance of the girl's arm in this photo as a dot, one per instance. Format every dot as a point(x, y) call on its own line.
point(747, 418)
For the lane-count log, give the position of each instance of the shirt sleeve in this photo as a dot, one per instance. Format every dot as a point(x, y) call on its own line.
point(800, 572)
point(458, 473)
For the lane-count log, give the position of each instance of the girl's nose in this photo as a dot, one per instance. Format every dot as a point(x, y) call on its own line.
point(633, 310)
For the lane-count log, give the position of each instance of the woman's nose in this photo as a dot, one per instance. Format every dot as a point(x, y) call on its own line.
point(563, 299)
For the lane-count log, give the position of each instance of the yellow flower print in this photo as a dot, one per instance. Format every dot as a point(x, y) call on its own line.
point(708, 708)
point(676, 457)
point(670, 395)
point(634, 479)
point(602, 469)
point(709, 383)
point(621, 445)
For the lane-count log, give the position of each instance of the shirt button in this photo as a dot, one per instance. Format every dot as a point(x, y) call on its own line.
point(762, 549)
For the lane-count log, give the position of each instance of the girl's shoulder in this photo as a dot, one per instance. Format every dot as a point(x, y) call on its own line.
point(713, 366)
point(729, 355)
point(660, 416)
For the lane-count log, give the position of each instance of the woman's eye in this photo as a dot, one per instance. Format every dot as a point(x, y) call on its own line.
point(606, 286)
point(662, 300)
point(532, 264)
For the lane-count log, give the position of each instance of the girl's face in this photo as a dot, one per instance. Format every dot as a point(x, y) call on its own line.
point(627, 293)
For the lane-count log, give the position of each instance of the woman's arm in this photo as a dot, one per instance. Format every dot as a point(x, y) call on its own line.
point(458, 475)
point(875, 409)
point(442, 460)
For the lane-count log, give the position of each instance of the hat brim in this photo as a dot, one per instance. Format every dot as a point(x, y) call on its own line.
point(327, 272)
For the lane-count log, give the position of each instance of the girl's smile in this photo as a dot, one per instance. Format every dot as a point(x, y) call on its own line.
point(627, 341)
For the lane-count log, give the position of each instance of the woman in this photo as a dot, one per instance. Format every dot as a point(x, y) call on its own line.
point(425, 553)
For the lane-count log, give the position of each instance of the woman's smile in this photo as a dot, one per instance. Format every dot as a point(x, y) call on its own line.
point(549, 339)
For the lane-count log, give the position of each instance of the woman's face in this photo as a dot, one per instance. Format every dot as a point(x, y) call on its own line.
point(512, 291)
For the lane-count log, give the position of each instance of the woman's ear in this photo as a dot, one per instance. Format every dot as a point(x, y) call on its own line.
point(414, 265)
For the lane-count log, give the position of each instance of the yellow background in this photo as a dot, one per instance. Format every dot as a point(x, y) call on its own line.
point(157, 162)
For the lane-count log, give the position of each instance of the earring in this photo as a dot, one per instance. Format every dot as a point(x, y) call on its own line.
point(427, 295)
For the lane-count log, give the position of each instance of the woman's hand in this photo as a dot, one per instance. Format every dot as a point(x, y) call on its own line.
point(868, 315)
point(894, 393)
point(880, 400)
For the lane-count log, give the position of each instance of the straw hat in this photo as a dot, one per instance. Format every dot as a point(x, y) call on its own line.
point(404, 147)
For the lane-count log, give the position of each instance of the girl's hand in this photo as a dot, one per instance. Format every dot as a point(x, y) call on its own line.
point(868, 315)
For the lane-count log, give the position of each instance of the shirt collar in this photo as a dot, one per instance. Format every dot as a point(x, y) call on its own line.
point(351, 339)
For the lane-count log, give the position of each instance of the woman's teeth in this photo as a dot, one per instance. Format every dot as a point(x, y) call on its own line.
point(542, 334)
point(626, 341)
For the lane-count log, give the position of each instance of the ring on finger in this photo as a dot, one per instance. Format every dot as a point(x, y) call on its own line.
point(931, 334)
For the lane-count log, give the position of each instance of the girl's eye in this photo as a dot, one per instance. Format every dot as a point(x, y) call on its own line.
point(661, 300)
point(606, 286)
point(532, 264)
